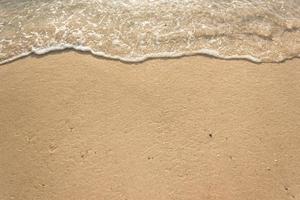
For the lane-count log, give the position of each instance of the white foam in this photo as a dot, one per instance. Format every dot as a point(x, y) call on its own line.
point(15, 57)
point(60, 47)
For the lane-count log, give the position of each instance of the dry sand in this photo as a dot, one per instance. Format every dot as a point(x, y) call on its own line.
point(76, 127)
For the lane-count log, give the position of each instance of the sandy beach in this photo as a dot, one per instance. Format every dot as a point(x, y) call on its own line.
point(78, 127)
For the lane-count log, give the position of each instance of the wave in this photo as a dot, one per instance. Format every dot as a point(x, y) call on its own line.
point(133, 31)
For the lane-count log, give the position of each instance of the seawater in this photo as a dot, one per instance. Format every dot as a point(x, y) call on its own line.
point(134, 30)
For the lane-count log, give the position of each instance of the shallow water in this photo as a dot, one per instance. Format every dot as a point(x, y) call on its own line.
point(134, 30)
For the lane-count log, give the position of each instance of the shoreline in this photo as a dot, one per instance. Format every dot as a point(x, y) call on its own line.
point(163, 56)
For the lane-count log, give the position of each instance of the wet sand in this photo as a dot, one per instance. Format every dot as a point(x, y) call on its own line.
point(77, 127)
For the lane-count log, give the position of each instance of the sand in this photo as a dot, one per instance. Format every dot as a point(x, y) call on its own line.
point(77, 127)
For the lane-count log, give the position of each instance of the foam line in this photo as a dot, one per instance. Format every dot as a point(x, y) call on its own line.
point(209, 52)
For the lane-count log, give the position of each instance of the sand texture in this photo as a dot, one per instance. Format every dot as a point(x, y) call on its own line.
point(76, 127)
